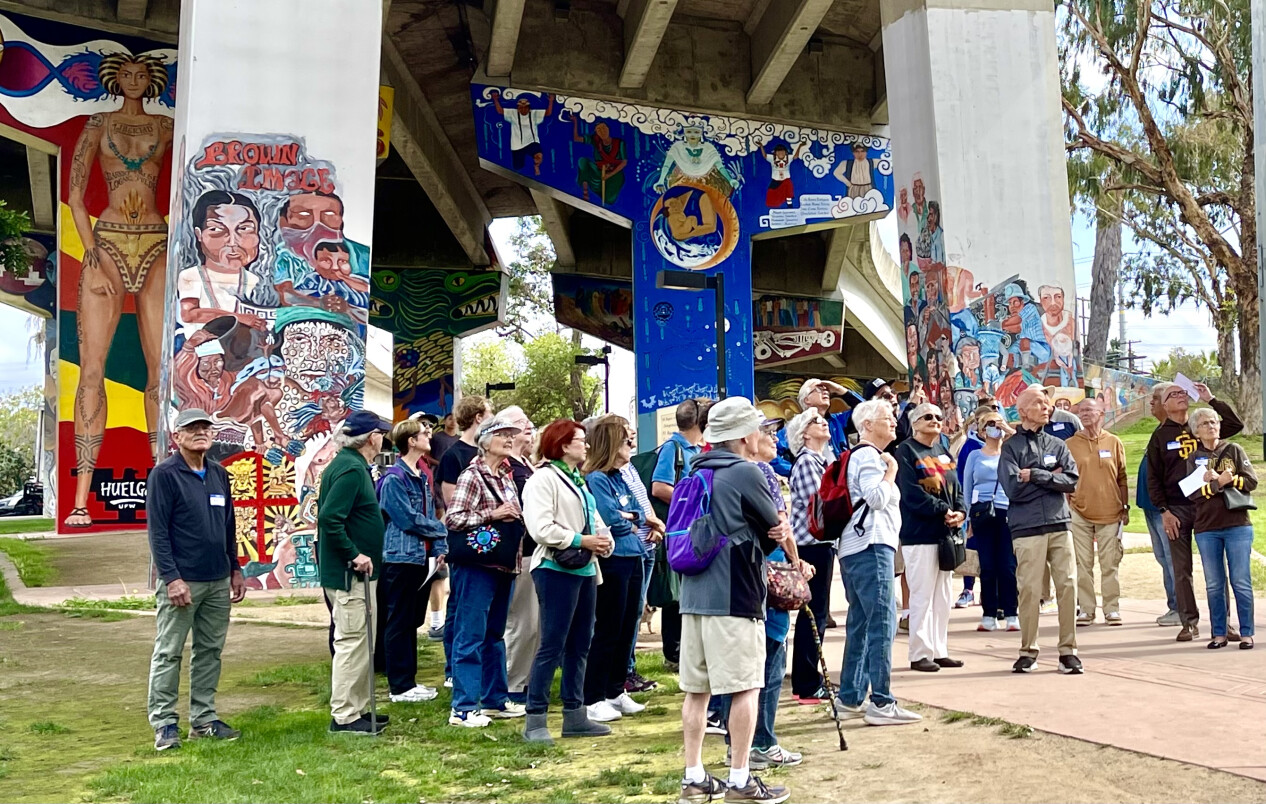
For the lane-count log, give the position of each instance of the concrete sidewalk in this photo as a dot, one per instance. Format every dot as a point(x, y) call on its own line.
point(1142, 691)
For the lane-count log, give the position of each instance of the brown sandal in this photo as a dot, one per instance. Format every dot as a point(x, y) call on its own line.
point(79, 512)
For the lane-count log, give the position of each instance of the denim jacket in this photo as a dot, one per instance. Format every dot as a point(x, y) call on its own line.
point(613, 496)
point(409, 509)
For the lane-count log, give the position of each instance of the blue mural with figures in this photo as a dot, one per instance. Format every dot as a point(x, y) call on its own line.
point(694, 189)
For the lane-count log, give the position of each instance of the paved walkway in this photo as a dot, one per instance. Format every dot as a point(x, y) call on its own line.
point(1142, 691)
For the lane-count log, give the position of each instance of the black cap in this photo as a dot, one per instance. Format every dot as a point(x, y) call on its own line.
point(364, 421)
point(872, 387)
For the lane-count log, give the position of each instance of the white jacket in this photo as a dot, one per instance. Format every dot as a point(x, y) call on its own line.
point(554, 513)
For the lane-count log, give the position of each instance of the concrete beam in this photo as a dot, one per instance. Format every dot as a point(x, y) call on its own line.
point(838, 245)
point(418, 137)
point(162, 30)
point(555, 216)
point(43, 208)
point(645, 22)
point(506, 17)
point(753, 19)
point(132, 10)
point(779, 39)
point(870, 305)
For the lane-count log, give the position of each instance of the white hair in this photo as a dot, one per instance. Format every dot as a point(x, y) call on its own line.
point(1199, 416)
point(355, 442)
point(870, 411)
point(514, 413)
point(486, 436)
point(796, 427)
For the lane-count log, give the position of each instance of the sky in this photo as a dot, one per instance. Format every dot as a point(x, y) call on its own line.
point(1189, 328)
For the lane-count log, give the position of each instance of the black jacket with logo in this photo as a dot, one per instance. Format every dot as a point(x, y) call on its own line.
point(1167, 453)
point(1040, 505)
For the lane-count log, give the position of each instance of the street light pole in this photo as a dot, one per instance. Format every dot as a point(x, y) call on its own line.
point(1257, 20)
point(604, 360)
point(717, 281)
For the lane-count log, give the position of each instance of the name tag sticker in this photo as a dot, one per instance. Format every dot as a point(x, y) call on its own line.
point(1061, 426)
point(1172, 445)
point(624, 499)
point(1105, 453)
point(943, 458)
point(1202, 461)
point(217, 500)
point(1048, 460)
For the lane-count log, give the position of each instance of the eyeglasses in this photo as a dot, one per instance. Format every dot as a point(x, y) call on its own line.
point(1176, 394)
point(1209, 423)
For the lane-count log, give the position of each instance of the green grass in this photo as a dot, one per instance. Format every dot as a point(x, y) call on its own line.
point(9, 606)
point(296, 600)
point(32, 559)
point(47, 727)
point(123, 603)
point(25, 525)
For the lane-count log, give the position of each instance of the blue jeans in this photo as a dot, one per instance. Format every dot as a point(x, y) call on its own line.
point(1236, 544)
point(871, 626)
point(567, 605)
point(767, 707)
point(648, 566)
point(1160, 549)
point(479, 648)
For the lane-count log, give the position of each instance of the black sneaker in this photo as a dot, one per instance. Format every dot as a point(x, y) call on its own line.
point(166, 737)
point(757, 791)
point(1070, 665)
point(361, 725)
point(436, 634)
point(1024, 664)
point(714, 726)
point(215, 730)
point(382, 719)
point(636, 682)
point(701, 792)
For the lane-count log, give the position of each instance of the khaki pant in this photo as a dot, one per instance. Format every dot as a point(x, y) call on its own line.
point(1086, 535)
point(353, 664)
point(1032, 555)
point(208, 618)
point(523, 630)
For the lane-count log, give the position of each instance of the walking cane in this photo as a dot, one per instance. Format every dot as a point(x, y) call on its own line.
point(369, 632)
point(826, 676)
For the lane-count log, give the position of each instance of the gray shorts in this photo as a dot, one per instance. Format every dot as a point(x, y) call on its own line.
point(721, 655)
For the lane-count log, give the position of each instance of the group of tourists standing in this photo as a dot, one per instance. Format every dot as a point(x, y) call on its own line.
point(551, 541)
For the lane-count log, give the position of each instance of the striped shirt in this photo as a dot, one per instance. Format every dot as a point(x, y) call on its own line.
point(638, 488)
point(876, 504)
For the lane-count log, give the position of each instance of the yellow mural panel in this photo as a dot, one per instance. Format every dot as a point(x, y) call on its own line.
point(68, 240)
point(386, 104)
point(125, 406)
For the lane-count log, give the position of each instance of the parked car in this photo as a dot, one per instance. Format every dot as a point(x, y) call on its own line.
point(28, 501)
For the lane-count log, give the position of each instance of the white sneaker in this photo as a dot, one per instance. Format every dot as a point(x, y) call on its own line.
point(470, 720)
point(603, 712)
point(987, 624)
point(1170, 617)
point(847, 712)
point(448, 683)
point(890, 715)
point(416, 695)
point(625, 705)
point(1013, 623)
point(508, 711)
point(1049, 607)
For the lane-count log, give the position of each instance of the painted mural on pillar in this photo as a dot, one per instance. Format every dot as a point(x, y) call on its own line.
point(1126, 397)
point(36, 292)
point(424, 309)
point(596, 306)
point(106, 105)
point(694, 189)
point(966, 339)
point(778, 395)
point(270, 329)
point(790, 328)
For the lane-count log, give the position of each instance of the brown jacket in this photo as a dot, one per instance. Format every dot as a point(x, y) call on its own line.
point(1103, 492)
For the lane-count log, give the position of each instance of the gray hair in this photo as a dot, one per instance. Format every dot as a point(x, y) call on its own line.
point(797, 426)
point(354, 442)
point(485, 439)
point(1200, 416)
point(1161, 388)
point(870, 411)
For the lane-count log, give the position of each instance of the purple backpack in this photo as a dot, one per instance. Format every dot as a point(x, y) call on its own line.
point(692, 542)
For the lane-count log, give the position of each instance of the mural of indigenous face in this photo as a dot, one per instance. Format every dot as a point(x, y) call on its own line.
point(309, 219)
point(318, 354)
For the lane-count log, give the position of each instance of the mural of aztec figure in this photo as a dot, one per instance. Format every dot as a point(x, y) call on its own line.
point(425, 308)
point(36, 292)
point(106, 106)
point(694, 189)
point(270, 331)
point(964, 338)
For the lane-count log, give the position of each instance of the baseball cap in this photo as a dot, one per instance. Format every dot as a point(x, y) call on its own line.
point(732, 418)
point(429, 418)
point(191, 416)
point(872, 387)
point(498, 425)
point(364, 421)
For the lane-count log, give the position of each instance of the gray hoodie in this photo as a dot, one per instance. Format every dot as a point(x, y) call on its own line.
point(733, 585)
point(1040, 505)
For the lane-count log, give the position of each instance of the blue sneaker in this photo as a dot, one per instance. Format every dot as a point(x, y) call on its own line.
point(166, 737)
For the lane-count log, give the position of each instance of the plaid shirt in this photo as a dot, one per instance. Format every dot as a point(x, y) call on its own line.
point(806, 480)
point(473, 502)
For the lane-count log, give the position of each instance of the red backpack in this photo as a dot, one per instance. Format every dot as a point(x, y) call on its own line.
point(832, 507)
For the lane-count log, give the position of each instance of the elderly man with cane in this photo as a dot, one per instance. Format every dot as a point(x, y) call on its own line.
point(349, 549)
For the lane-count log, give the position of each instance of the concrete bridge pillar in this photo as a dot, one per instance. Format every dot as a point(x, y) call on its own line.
point(981, 197)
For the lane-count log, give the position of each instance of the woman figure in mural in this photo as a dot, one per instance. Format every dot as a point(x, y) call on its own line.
point(226, 226)
point(690, 215)
point(967, 350)
point(604, 173)
point(857, 173)
point(781, 192)
point(124, 253)
point(931, 244)
point(694, 161)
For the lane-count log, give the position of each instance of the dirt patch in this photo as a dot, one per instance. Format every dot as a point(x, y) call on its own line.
point(101, 558)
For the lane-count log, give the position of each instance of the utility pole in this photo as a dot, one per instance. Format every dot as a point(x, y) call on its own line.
point(1120, 312)
point(1257, 19)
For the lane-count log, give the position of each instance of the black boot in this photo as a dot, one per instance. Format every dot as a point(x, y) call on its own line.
point(576, 723)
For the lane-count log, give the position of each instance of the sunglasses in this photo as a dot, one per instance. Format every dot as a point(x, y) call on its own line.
point(931, 417)
point(630, 442)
